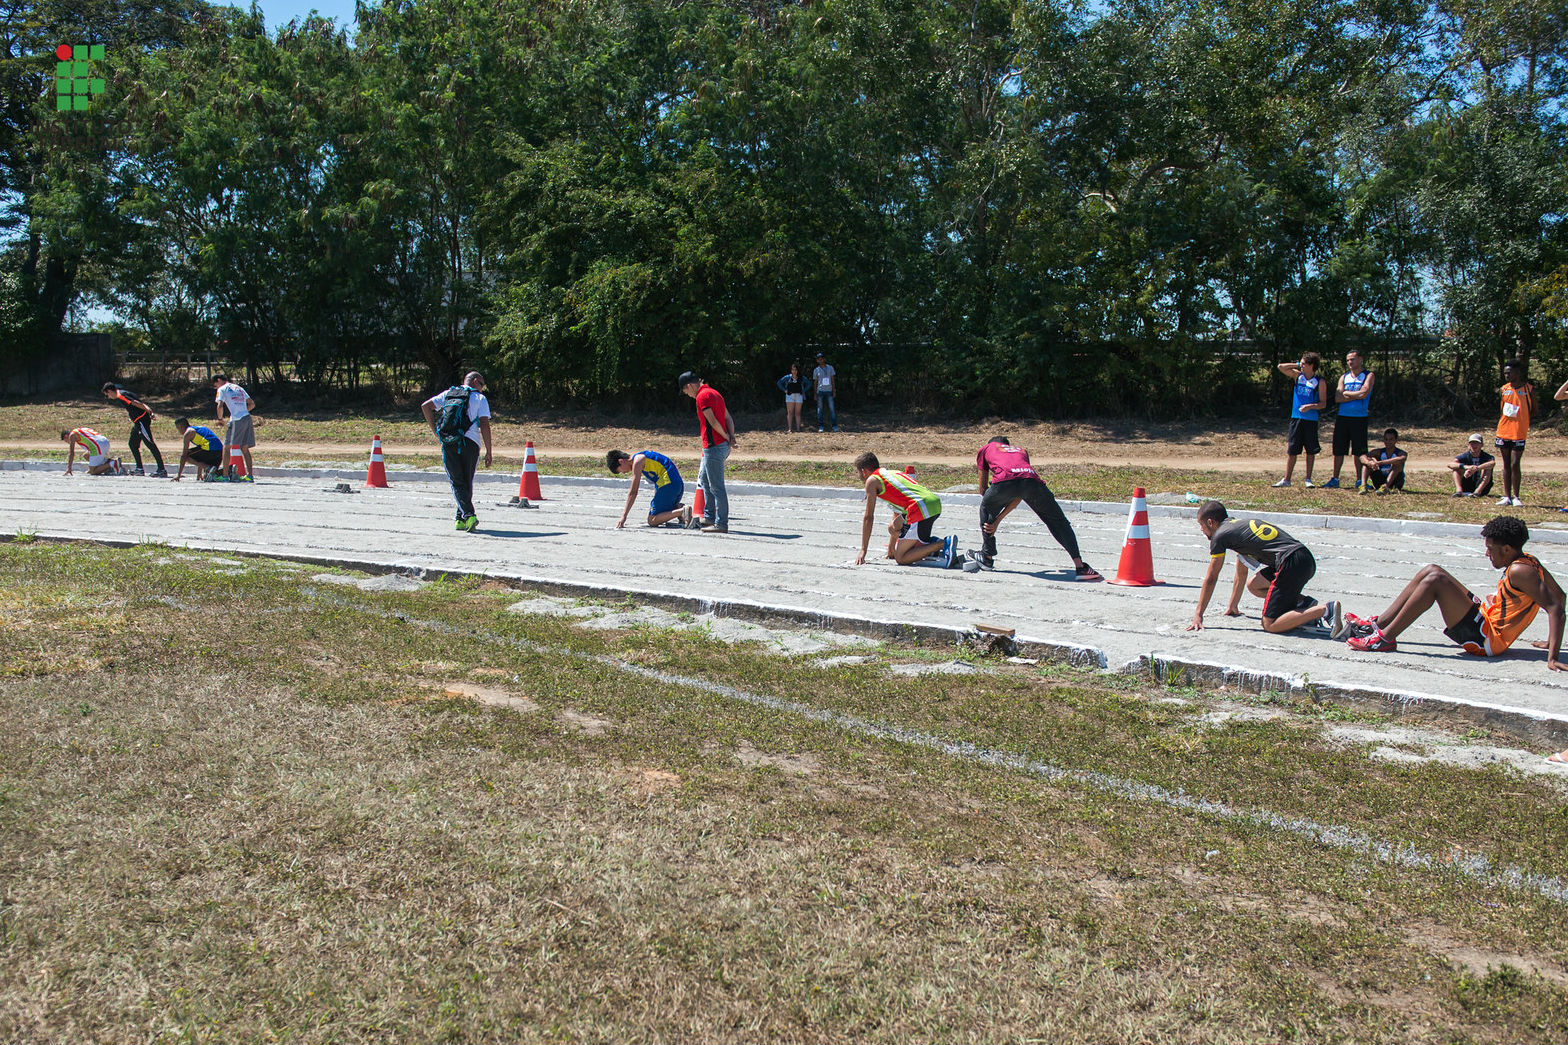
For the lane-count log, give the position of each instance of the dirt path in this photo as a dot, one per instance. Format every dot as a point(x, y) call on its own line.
point(758, 449)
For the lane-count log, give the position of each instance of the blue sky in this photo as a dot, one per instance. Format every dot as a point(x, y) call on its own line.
point(280, 12)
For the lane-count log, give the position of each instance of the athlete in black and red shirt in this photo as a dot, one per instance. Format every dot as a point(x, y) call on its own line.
point(141, 425)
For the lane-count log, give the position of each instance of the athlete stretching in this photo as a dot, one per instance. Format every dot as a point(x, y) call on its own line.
point(141, 426)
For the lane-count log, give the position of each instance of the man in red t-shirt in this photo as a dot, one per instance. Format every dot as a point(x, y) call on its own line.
point(718, 438)
point(1007, 477)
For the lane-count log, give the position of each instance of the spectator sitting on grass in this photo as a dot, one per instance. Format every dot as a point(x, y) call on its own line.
point(1386, 466)
point(1472, 470)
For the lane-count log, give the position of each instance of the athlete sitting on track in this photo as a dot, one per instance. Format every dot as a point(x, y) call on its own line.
point(95, 446)
point(1482, 628)
point(666, 480)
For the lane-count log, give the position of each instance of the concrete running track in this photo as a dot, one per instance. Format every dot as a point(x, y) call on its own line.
point(790, 550)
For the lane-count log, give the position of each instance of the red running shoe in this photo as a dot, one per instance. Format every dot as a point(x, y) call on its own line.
point(1376, 642)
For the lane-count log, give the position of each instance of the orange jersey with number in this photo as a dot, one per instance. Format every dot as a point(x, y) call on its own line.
point(1515, 420)
point(1504, 616)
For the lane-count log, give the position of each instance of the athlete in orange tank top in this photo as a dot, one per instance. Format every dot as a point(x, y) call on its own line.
point(1481, 628)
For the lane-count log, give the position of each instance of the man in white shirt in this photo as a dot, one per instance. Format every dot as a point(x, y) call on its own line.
point(460, 442)
point(242, 427)
point(825, 380)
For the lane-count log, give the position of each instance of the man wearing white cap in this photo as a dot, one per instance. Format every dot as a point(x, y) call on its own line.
point(1472, 470)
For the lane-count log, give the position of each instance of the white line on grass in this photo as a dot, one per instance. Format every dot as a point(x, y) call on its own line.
point(1476, 867)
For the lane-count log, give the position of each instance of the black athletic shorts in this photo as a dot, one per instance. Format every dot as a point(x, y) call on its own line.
point(1377, 478)
point(1350, 436)
point(1290, 576)
point(207, 458)
point(1467, 633)
point(1479, 484)
point(920, 531)
point(1304, 436)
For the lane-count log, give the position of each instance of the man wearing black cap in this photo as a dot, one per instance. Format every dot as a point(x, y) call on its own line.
point(718, 438)
point(825, 380)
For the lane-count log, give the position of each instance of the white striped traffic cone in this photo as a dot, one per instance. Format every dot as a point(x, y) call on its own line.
point(1136, 568)
point(377, 475)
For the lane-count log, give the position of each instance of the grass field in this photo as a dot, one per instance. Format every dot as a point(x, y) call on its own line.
point(240, 803)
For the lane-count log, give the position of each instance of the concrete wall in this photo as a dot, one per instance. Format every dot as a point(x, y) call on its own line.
point(70, 363)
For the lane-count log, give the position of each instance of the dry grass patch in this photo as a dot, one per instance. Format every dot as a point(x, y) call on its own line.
point(271, 845)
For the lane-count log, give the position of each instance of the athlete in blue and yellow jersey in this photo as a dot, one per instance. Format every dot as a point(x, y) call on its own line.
point(667, 485)
point(202, 448)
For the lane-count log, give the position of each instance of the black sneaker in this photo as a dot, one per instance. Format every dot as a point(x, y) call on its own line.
point(162, 473)
point(985, 561)
point(139, 472)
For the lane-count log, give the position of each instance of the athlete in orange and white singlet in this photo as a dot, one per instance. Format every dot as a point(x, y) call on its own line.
point(1484, 628)
point(918, 507)
point(95, 448)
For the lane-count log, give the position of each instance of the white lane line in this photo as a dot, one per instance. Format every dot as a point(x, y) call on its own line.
point(1475, 867)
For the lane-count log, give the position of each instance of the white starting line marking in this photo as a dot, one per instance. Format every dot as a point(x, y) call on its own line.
point(1476, 867)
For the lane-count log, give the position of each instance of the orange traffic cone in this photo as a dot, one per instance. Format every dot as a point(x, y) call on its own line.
point(698, 505)
point(528, 485)
point(237, 462)
point(377, 476)
point(1136, 568)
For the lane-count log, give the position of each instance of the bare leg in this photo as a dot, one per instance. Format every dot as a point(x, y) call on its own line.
point(664, 517)
point(1339, 462)
point(1310, 459)
point(1293, 619)
point(1431, 584)
point(1290, 465)
point(909, 552)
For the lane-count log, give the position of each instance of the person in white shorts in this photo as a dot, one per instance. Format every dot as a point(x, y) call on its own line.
point(95, 448)
point(241, 432)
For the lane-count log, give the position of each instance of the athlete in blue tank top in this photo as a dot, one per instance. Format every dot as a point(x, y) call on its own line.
point(1354, 396)
point(667, 485)
point(1309, 395)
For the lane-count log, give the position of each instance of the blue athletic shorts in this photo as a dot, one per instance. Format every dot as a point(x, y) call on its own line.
point(665, 498)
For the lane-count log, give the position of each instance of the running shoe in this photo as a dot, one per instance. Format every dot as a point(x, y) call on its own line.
point(1363, 490)
point(1281, 483)
point(686, 517)
point(1332, 613)
point(162, 473)
point(1332, 484)
point(1517, 503)
point(949, 551)
point(139, 471)
point(246, 479)
point(461, 524)
point(1087, 573)
point(1376, 642)
point(1308, 483)
point(471, 523)
point(1504, 502)
point(985, 562)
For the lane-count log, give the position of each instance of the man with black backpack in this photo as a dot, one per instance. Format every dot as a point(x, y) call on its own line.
point(459, 417)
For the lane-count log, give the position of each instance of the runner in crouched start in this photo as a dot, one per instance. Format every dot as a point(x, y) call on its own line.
point(920, 509)
point(667, 485)
point(1482, 628)
point(95, 446)
point(202, 447)
point(1281, 561)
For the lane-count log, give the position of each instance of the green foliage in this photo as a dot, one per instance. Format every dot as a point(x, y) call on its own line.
point(1134, 207)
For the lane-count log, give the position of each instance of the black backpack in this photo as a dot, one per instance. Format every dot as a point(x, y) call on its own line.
point(452, 422)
